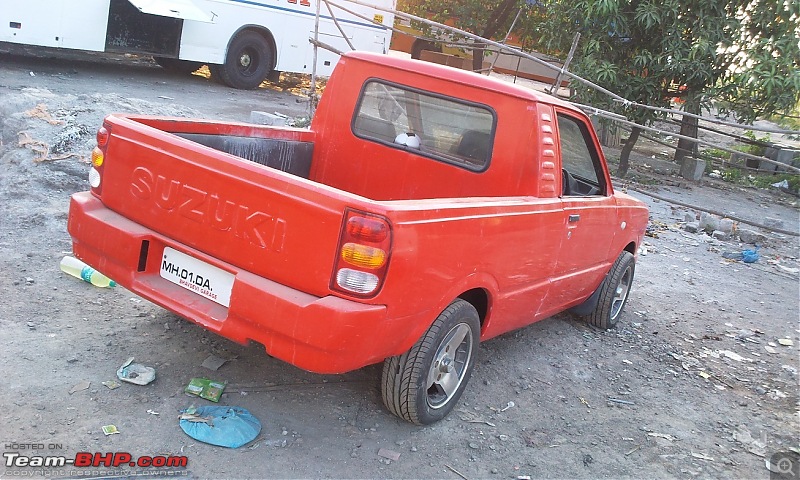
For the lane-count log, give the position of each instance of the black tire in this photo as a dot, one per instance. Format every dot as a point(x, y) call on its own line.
point(216, 73)
point(419, 45)
point(249, 61)
point(177, 66)
point(614, 292)
point(447, 352)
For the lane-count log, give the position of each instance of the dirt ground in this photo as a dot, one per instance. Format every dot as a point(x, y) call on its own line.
point(699, 380)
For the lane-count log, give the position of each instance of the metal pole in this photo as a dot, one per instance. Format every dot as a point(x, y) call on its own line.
point(336, 22)
point(616, 118)
point(557, 83)
point(505, 39)
point(312, 104)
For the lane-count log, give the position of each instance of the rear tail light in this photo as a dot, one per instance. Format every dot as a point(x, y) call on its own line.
point(362, 254)
point(102, 136)
point(371, 229)
point(99, 160)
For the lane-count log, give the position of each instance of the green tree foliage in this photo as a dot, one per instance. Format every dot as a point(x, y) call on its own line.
point(742, 55)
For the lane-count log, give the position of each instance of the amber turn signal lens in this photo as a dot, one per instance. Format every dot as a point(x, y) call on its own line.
point(97, 157)
point(363, 256)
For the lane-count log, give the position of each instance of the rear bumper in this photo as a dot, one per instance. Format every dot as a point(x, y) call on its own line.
point(320, 334)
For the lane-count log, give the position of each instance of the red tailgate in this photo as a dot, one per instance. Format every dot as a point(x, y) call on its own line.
point(259, 219)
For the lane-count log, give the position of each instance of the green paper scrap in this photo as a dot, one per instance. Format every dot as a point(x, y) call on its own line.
point(205, 388)
point(110, 429)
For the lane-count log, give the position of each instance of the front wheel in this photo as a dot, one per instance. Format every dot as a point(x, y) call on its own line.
point(249, 61)
point(423, 385)
point(614, 292)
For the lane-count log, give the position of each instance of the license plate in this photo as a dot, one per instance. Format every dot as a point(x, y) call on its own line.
point(201, 278)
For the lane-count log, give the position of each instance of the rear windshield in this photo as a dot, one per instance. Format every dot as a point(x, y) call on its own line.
point(442, 128)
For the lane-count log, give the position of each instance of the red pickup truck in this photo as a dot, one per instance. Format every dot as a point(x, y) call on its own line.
point(425, 210)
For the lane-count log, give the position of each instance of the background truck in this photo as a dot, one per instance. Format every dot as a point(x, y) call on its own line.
point(426, 209)
point(437, 48)
point(242, 42)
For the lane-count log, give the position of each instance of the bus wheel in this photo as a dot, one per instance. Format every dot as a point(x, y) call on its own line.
point(249, 61)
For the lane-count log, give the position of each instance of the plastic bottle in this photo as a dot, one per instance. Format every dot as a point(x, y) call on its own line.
point(78, 269)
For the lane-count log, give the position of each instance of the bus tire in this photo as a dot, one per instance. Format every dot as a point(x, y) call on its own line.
point(249, 61)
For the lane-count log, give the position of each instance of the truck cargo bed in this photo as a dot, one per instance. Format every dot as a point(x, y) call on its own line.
point(286, 155)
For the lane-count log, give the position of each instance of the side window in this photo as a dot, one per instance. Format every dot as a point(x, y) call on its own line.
point(442, 128)
point(582, 173)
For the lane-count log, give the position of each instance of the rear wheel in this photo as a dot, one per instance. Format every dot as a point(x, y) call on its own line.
point(614, 292)
point(248, 62)
point(423, 385)
point(216, 73)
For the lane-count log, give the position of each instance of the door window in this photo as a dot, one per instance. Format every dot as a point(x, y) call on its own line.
point(582, 173)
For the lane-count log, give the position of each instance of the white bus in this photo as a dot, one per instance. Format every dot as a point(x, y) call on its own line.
point(242, 41)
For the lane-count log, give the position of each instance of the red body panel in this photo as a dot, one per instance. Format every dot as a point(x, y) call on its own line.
point(504, 231)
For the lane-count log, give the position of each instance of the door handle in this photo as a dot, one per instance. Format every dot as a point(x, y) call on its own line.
point(574, 218)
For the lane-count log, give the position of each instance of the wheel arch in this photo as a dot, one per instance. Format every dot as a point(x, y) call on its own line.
point(265, 32)
point(478, 289)
point(479, 299)
point(588, 305)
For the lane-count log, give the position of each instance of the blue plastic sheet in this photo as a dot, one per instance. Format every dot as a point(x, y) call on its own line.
point(746, 256)
point(750, 256)
point(219, 425)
